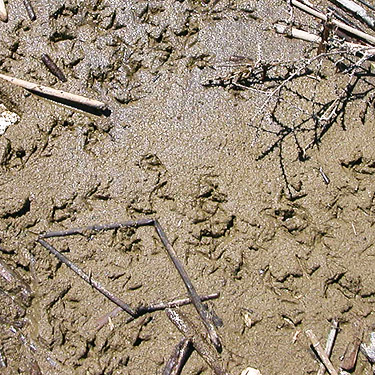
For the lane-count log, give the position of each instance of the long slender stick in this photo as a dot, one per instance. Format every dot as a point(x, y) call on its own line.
point(98, 228)
point(320, 351)
point(189, 330)
point(341, 25)
point(88, 278)
point(357, 10)
point(202, 311)
point(175, 303)
point(178, 358)
point(367, 4)
point(59, 95)
point(154, 307)
point(3, 12)
point(329, 344)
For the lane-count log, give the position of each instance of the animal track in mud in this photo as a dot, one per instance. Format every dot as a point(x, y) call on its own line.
point(210, 220)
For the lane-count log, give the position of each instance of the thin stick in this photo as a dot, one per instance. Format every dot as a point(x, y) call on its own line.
point(154, 307)
point(357, 10)
point(329, 344)
point(29, 10)
point(87, 278)
point(172, 304)
point(308, 37)
point(189, 330)
point(321, 353)
point(367, 4)
point(297, 33)
point(3, 12)
point(179, 357)
point(99, 228)
point(339, 24)
point(202, 311)
point(59, 95)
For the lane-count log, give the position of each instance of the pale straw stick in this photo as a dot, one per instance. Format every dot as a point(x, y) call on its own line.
point(308, 37)
point(329, 344)
point(357, 10)
point(3, 12)
point(320, 351)
point(297, 33)
point(58, 95)
point(360, 34)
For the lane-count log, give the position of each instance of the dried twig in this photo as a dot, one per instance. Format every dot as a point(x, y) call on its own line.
point(175, 303)
point(297, 33)
point(53, 68)
point(29, 10)
point(178, 358)
point(88, 278)
point(189, 331)
point(329, 344)
point(352, 48)
point(367, 4)
point(98, 228)
point(73, 100)
point(321, 353)
point(357, 10)
point(202, 311)
point(360, 34)
point(141, 310)
point(3, 12)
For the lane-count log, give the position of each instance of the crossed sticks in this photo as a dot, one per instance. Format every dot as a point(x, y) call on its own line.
point(192, 338)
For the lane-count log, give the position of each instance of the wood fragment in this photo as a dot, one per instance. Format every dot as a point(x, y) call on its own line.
point(293, 32)
point(329, 344)
point(351, 353)
point(29, 10)
point(360, 34)
point(53, 68)
point(3, 12)
point(205, 350)
point(321, 353)
point(178, 358)
point(327, 29)
point(324, 176)
point(73, 100)
point(154, 307)
point(308, 37)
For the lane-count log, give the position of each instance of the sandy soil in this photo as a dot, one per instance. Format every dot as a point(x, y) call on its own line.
point(193, 139)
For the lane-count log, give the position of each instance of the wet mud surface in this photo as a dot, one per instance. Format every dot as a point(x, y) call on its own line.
point(232, 174)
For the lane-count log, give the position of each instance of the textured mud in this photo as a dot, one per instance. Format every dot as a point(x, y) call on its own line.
point(250, 218)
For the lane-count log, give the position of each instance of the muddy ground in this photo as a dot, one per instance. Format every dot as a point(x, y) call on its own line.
point(197, 141)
